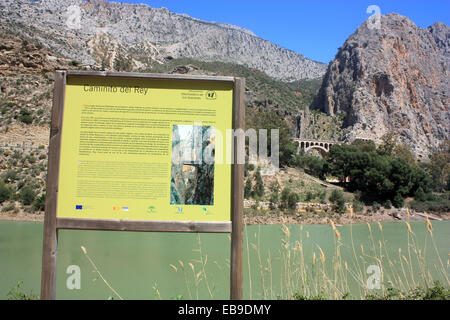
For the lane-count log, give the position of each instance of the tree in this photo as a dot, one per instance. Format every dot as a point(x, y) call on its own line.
point(258, 189)
point(314, 165)
point(402, 151)
point(389, 142)
point(379, 177)
point(364, 145)
point(274, 198)
point(338, 200)
point(293, 199)
point(398, 201)
point(419, 195)
point(285, 197)
point(248, 189)
point(439, 166)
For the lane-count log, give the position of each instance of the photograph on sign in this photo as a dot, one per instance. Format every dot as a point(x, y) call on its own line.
point(192, 173)
point(144, 149)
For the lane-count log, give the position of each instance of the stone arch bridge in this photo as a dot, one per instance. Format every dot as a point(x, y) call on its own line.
point(309, 144)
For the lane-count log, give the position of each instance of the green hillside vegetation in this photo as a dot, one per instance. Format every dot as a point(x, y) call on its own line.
point(262, 89)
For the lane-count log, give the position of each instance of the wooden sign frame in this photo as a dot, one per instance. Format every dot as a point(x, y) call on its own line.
point(52, 223)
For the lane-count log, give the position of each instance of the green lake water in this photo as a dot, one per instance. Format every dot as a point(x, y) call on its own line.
point(138, 265)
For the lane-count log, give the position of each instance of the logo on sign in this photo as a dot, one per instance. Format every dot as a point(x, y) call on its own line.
point(211, 95)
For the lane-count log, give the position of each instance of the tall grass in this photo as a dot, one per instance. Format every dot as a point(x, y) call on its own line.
point(331, 276)
point(305, 270)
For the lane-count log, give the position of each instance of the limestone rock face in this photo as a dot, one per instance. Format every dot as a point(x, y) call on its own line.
point(71, 28)
point(392, 79)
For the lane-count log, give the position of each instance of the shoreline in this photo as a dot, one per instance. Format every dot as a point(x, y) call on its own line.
point(282, 218)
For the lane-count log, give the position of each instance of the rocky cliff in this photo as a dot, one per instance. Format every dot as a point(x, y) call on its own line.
point(74, 28)
point(395, 78)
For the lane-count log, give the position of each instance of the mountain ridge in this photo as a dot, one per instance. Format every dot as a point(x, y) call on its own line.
point(168, 35)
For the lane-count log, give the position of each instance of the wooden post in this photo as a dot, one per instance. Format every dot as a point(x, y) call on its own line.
point(237, 233)
point(49, 251)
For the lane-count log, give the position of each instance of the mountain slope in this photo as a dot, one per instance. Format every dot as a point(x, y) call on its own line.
point(392, 79)
point(144, 32)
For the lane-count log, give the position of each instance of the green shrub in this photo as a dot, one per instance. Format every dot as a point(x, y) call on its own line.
point(284, 197)
point(9, 207)
point(17, 293)
point(338, 200)
point(39, 203)
point(5, 192)
point(258, 189)
point(293, 199)
point(10, 176)
point(26, 116)
point(309, 196)
point(436, 204)
point(358, 206)
point(74, 63)
point(387, 204)
point(248, 189)
point(376, 206)
point(419, 195)
point(398, 201)
point(274, 199)
point(27, 195)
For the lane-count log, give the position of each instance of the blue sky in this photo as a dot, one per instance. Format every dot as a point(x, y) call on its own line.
point(314, 28)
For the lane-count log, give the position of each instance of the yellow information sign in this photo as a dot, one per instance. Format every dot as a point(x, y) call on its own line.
point(145, 149)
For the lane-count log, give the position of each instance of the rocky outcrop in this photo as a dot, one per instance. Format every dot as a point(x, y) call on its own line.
point(392, 79)
point(69, 27)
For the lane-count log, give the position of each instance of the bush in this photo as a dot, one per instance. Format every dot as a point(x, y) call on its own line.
point(258, 189)
point(293, 199)
point(5, 192)
point(10, 176)
point(388, 204)
point(358, 206)
point(435, 204)
point(17, 293)
point(398, 201)
point(376, 206)
point(74, 63)
point(436, 292)
point(338, 200)
point(419, 195)
point(27, 195)
point(309, 196)
point(274, 199)
point(26, 116)
point(285, 197)
point(39, 203)
point(248, 189)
